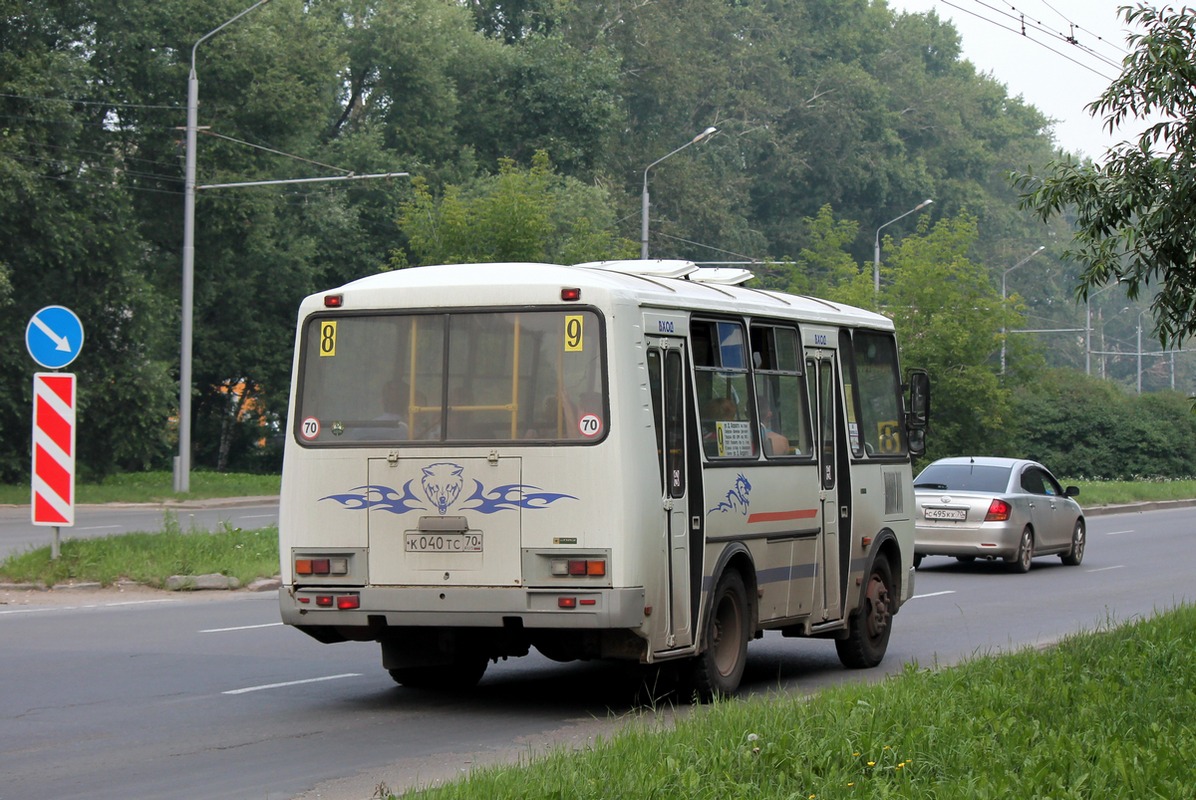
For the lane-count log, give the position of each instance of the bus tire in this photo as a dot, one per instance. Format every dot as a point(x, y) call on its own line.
point(869, 626)
point(719, 668)
point(463, 673)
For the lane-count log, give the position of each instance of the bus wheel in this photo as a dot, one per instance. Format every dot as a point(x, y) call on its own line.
point(463, 673)
point(869, 626)
point(719, 668)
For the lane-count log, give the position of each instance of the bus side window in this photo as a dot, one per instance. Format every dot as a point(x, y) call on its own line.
point(784, 422)
point(721, 376)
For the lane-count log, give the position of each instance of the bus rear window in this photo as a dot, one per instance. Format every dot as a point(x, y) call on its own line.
point(533, 376)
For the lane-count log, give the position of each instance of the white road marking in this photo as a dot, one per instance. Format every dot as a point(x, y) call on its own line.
point(258, 516)
point(292, 683)
point(83, 606)
point(1116, 533)
point(242, 628)
point(1106, 569)
point(98, 528)
point(932, 594)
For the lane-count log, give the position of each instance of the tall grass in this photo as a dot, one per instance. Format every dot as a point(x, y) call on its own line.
point(1109, 714)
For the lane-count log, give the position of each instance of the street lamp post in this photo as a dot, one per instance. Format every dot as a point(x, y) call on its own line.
point(1088, 326)
point(706, 134)
point(876, 246)
point(182, 471)
point(1004, 331)
point(1140, 313)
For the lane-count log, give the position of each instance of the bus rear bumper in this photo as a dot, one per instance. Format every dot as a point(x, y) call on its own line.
point(472, 607)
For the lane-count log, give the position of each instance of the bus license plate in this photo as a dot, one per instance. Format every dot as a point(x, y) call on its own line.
point(957, 514)
point(444, 543)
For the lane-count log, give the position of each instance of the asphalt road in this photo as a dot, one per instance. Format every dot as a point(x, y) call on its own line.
point(146, 695)
point(18, 533)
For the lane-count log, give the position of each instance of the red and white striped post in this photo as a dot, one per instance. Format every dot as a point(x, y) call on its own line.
point(54, 451)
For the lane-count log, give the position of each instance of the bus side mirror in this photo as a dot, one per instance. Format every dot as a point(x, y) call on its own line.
point(917, 417)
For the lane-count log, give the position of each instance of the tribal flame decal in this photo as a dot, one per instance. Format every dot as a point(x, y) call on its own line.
point(441, 485)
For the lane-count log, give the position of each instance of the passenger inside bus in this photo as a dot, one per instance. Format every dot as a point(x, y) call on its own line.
point(774, 444)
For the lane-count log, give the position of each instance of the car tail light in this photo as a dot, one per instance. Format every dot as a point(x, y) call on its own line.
point(998, 511)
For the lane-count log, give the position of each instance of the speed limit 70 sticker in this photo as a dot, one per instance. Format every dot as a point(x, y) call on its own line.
point(309, 428)
point(590, 426)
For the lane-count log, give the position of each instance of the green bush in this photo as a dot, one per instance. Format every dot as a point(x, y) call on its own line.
point(1085, 427)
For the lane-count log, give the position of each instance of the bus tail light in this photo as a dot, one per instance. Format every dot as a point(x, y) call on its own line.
point(341, 602)
point(998, 511)
point(593, 567)
point(322, 566)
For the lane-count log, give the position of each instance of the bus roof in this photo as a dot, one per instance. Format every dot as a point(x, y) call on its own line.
point(652, 282)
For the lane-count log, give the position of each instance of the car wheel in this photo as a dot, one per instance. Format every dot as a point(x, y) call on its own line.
point(1025, 552)
point(965, 559)
point(719, 668)
point(1078, 540)
point(869, 627)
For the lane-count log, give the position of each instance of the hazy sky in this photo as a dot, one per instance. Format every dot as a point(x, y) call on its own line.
point(1056, 76)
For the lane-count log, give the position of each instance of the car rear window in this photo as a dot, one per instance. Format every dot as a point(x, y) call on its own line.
point(963, 478)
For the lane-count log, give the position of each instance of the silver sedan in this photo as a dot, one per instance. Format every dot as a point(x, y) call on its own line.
point(979, 507)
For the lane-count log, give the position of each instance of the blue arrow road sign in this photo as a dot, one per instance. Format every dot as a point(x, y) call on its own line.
point(54, 337)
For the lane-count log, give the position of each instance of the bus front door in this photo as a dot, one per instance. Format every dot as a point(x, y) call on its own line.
point(822, 384)
point(666, 369)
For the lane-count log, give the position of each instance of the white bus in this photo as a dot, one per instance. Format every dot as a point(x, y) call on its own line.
point(638, 460)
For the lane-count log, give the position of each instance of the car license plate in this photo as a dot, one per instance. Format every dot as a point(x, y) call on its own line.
point(444, 543)
point(955, 514)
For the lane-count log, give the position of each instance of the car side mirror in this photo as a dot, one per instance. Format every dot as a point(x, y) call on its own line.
point(1071, 491)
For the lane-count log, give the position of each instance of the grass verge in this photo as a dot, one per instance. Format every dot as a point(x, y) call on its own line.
point(1100, 493)
point(1101, 715)
point(158, 487)
point(150, 558)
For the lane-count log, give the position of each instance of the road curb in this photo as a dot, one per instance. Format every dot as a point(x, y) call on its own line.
point(1130, 508)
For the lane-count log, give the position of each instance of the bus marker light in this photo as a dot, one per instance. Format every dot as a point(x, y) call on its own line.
point(566, 602)
point(570, 294)
point(334, 300)
point(590, 601)
point(324, 600)
point(595, 567)
point(348, 602)
point(304, 600)
point(577, 567)
point(302, 566)
point(320, 566)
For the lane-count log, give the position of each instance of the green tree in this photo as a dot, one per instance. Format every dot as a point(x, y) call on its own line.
point(518, 215)
point(1134, 212)
point(948, 318)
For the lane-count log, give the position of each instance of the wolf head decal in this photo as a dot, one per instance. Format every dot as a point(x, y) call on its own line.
point(442, 484)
